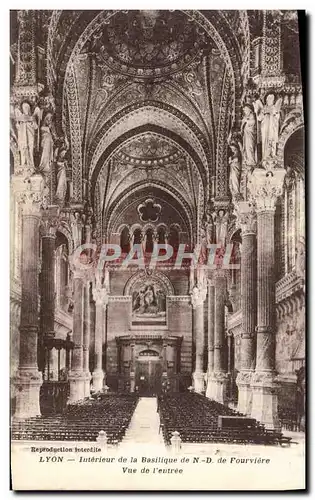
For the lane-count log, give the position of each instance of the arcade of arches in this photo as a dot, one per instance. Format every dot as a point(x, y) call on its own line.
point(144, 127)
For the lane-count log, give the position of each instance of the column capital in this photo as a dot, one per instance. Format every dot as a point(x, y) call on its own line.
point(100, 296)
point(220, 273)
point(85, 272)
point(198, 296)
point(50, 221)
point(211, 281)
point(29, 193)
point(246, 217)
point(265, 187)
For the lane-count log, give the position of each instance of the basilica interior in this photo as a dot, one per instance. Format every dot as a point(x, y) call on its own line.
point(180, 128)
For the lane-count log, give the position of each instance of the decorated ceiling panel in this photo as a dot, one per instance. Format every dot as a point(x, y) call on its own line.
point(148, 156)
point(151, 97)
point(148, 43)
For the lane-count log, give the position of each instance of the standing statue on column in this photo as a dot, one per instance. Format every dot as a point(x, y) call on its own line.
point(249, 132)
point(221, 223)
point(61, 172)
point(76, 229)
point(27, 126)
point(47, 146)
point(268, 117)
point(235, 164)
point(208, 225)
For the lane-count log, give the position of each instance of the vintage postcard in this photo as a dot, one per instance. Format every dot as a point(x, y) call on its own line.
point(157, 250)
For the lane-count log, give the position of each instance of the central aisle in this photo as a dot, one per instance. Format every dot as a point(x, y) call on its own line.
point(144, 425)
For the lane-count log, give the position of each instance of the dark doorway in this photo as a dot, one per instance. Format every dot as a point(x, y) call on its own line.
point(148, 377)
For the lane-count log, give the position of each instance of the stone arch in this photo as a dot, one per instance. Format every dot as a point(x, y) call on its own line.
point(65, 230)
point(122, 227)
point(109, 221)
point(293, 125)
point(217, 28)
point(187, 141)
point(153, 276)
point(135, 226)
point(148, 225)
point(161, 225)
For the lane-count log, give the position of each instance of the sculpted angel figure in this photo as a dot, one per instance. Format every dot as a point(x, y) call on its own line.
point(249, 132)
point(221, 223)
point(268, 117)
point(27, 125)
point(47, 145)
point(61, 174)
point(208, 227)
point(76, 228)
point(235, 163)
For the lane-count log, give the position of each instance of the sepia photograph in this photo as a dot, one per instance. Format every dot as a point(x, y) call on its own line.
point(157, 250)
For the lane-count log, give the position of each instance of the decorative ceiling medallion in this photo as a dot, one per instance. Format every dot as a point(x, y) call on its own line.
point(149, 150)
point(149, 211)
point(148, 44)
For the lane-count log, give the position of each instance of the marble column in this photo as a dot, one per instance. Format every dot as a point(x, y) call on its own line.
point(211, 292)
point(132, 367)
point(265, 187)
point(218, 379)
point(47, 283)
point(247, 221)
point(104, 348)
point(77, 375)
point(197, 300)
point(28, 381)
point(86, 338)
point(100, 296)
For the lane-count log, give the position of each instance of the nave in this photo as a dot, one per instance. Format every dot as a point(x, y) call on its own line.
point(194, 140)
point(133, 420)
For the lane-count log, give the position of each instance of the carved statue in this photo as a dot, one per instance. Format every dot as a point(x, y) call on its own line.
point(47, 146)
point(208, 226)
point(300, 258)
point(268, 117)
point(13, 131)
point(76, 228)
point(235, 170)
point(249, 131)
point(221, 223)
point(61, 175)
point(106, 280)
point(27, 125)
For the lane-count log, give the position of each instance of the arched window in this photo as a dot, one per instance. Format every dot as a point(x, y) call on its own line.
point(290, 209)
point(174, 238)
point(124, 240)
point(137, 237)
point(149, 241)
point(161, 236)
point(62, 272)
point(235, 285)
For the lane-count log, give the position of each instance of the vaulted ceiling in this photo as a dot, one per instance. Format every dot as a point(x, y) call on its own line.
point(146, 99)
point(139, 94)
